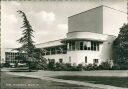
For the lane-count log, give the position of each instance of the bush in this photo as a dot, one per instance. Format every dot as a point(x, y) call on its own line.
point(51, 65)
point(58, 67)
point(80, 67)
point(7, 65)
point(89, 67)
point(105, 66)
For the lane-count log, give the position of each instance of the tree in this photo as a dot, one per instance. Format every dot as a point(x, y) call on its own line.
point(120, 47)
point(20, 59)
point(26, 39)
point(34, 55)
point(40, 62)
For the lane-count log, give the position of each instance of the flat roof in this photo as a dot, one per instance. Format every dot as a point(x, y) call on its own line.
point(96, 8)
point(49, 44)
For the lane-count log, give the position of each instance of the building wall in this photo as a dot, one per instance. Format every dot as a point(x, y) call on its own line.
point(113, 20)
point(104, 54)
point(78, 57)
point(102, 19)
point(88, 21)
point(106, 51)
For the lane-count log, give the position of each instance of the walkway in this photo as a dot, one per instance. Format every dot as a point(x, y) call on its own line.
point(44, 75)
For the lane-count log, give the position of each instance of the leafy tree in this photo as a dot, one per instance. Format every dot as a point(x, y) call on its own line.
point(120, 47)
point(26, 39)
point(40, 62)
point(34, 55)
point(51, 64)
point(20, 59)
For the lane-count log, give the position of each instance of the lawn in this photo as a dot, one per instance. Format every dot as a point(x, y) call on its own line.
point(113, 81)
point(16, 82)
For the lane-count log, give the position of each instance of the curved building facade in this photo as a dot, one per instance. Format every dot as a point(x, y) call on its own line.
point(89, 39)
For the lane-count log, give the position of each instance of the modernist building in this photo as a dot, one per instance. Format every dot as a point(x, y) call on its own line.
point(89, 39)
point(11, 54)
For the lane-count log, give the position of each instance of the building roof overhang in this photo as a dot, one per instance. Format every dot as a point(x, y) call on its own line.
point(79, 39)
point(81, 35)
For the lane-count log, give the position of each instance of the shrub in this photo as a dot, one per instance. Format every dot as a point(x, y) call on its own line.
point(58, 66)
point(80, 67)
point(105, 66)
point(7, 65)
point(89, 67)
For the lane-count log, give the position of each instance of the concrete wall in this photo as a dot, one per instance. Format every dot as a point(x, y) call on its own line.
point(113, 20)
point(102, 19)
point(78, 57)
point(88, 21)
point(106, 49)
point(87, 36)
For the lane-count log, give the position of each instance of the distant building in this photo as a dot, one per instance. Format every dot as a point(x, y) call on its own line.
point(10, 56)
point(89, 39)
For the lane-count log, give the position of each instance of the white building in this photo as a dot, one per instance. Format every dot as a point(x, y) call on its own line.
point(89, 39)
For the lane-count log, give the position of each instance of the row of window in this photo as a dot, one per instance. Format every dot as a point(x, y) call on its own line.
point(12, 53)
point(53, 60)
point(95, 61)
point(55, 50)
point(83, 45)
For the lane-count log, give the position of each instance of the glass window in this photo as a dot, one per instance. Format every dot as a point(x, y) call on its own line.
point(69, 59)
point(97, 47)
point(73, 45)
point(77, 45)
point(85, 59)
point(85, 45)
point(48, 52)
point(70, 46)
point(64, 49)
point(81, 45)
point(95, 60)
point(60, 60)
point(53, 51)
point(94, 46)
point(53, 60)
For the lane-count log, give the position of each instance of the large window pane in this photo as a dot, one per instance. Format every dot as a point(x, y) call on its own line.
point(70, 46)
point(81, 45)
point(77, 45)
point(85, 45)
point(73, 45)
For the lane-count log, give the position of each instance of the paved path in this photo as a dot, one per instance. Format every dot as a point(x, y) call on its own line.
point(48, 77)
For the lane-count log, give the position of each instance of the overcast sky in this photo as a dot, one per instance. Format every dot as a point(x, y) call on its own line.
point(47, 18)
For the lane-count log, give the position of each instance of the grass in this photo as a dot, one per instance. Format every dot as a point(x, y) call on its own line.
point(16, 82)
point(113, 81)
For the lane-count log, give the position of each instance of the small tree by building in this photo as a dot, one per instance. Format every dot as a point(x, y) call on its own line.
point(120, 47)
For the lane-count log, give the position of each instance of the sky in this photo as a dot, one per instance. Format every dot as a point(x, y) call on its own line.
point(49, 19)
